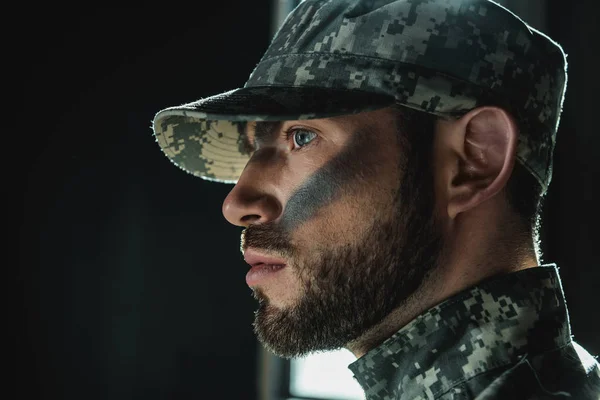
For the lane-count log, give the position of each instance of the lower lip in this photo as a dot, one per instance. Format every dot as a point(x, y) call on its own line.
point(261, 272)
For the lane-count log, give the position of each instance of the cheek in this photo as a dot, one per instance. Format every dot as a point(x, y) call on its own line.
point(345, 220)
point(344, 196)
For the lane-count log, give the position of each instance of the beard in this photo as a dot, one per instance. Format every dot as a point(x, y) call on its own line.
point(349, 289)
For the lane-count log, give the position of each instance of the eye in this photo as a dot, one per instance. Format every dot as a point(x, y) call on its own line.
point(301, 137)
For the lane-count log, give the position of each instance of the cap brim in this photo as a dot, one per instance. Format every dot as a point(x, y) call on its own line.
point(206, 137)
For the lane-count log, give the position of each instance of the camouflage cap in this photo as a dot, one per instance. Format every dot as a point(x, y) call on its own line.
point(337, 57)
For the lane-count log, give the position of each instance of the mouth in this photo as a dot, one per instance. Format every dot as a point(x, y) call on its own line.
point(262, 266)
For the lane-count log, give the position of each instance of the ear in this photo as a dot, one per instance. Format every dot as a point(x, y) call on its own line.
point(478, 155)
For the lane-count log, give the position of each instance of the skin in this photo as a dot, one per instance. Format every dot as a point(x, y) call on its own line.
point(365, 251)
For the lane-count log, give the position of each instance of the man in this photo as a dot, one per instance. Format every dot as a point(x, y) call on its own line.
point(389, 161)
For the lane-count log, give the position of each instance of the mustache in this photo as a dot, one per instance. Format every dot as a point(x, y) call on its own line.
point(268, 237)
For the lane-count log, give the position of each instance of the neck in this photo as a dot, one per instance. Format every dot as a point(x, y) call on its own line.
point(472, 253)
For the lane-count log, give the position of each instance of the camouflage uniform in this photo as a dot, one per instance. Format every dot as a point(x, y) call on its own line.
point(506, 338)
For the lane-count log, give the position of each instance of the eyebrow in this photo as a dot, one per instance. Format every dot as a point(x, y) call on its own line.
point(263, 131)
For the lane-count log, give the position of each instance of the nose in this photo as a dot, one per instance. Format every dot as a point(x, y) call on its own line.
point(254, 200)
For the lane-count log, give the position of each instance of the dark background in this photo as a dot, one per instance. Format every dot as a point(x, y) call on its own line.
point(129, 282)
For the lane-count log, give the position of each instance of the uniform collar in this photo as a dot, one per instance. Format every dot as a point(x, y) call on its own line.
point(487, 326)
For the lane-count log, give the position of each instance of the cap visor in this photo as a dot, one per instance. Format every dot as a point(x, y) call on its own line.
point(206, 137)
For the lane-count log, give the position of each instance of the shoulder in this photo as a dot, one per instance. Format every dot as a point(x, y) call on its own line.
point(568, 372)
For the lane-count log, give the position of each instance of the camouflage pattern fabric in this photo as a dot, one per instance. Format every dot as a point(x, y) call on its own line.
point(337, 57)
point(507, 338)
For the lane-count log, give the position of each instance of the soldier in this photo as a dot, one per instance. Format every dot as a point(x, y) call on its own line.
point(389, 161)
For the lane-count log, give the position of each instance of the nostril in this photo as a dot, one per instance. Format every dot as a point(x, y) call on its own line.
point(250, 218)
point(246, 205)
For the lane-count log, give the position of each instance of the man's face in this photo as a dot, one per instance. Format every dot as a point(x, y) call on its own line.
point(349, 210)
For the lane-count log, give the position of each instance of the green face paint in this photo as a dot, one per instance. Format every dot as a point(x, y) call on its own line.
point(327, 183)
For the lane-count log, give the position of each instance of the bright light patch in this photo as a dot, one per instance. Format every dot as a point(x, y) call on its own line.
point(588, 362)
point(325, 375)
